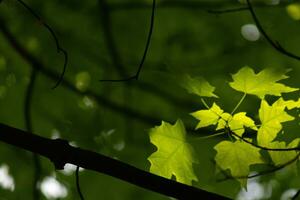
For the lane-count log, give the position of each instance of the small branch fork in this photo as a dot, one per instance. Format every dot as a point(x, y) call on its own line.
point(138, 72)
point(57, 43)
point(60, 153)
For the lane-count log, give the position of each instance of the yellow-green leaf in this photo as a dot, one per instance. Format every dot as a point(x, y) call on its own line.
point(261, 84)
point(239, 121)
point(198, 86)
point(208, 117)
point(289, 104)
point(223, 121)
point(271, 118)
point(282, 157)
point(236, 123)
point(174, 155)
point(237, 156)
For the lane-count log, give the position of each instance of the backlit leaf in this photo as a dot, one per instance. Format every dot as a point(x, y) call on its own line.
point(271, 118)
point(289, 104)
point(236, 123)
point(237, 156)
point(261, 84)
point(198, 86)
point(281, 157)
point(174, 155)
point(208, 117)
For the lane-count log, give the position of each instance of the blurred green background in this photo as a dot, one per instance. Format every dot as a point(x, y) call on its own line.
point(114, 118)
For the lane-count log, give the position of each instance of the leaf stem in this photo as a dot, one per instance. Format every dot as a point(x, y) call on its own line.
point(210, 136)
point(239, 103)
point(221, 133)
point(205, 104)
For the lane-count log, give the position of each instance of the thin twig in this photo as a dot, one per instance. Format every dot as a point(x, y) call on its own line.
point(137, 74)
point(275, 44)
point(78, 183)
point(222, 132)
point(262, 173)
point(225, 11)
point(28, 124)
point(265, 148)
point(57, 43)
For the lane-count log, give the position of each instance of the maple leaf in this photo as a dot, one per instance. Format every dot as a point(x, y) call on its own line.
point(208, 117)
point(289, 104)
point(271, 118)
point(236, 123)
point(261, 84)
point(174, 155)
point(198, 86)
point(237, 156)
point(282, 157)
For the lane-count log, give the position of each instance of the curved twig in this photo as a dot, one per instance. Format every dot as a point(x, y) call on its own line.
point(28, 124)
point(265, 148)
point(57, 43)
point(262, 173)
point(275, 44)
point(78, 183)
point(137, 74)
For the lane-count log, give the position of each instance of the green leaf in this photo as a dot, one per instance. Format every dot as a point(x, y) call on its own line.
point(236, 123)
point(282, 157)
point(237, 156)
point(223, 121)
point(271, 118)
point(174, 155)
point(289, 104)
point(198, 86)
point(208, 117)
point(261, 84)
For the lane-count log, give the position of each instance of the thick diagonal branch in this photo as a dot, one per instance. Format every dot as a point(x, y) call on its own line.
point(60, 153)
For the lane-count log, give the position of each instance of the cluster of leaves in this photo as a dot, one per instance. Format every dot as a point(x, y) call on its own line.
point(236, 153)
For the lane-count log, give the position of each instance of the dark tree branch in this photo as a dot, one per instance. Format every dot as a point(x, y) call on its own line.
point(60, 153)
point(111, 45)
point(296, 195)
point(28, 125)
point(57, 43)
point(275, 44)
